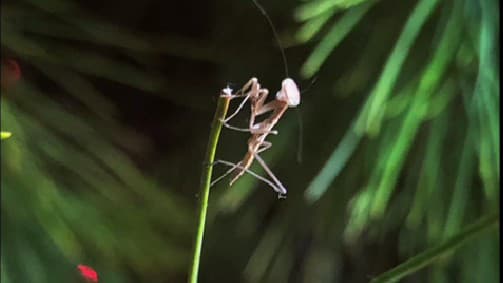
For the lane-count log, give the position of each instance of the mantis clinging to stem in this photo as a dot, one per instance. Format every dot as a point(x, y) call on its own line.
point(287, 96)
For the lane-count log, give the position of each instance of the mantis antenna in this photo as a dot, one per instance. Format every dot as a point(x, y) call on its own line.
point(285, 64)
point(287, 97)
point(276, 36)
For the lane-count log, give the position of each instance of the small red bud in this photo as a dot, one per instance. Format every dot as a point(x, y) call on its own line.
point(88, 273)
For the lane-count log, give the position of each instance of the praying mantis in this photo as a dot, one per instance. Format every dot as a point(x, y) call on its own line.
point(288, 96)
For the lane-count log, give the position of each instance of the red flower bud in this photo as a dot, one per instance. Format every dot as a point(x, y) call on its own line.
point(88, 273)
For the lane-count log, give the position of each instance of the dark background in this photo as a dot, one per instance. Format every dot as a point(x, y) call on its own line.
point(111, 114)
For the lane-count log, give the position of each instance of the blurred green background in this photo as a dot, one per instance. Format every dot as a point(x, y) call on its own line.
point(393, 149)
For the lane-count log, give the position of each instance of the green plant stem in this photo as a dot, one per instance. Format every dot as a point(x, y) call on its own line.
point(216, 127)
point(430, 255)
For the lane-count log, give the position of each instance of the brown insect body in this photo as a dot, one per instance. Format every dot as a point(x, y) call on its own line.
point(257, 140)
point(288, 96)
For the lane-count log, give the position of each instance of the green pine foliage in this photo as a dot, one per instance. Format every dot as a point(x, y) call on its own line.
point(399, 127)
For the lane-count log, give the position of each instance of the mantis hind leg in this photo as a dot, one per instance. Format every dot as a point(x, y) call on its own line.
point(238, 165)
point(234, 166)
point(281, 189)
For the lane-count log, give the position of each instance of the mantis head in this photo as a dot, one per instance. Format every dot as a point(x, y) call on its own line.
point(289, 93)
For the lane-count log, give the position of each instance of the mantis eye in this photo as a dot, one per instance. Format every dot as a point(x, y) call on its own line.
point(290, 92)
